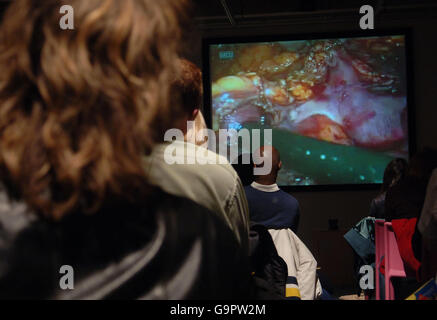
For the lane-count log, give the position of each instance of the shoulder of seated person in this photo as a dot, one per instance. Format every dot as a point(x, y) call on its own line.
point(220, 160)
point(290, 197)
point(185, 223)
point(160, 148)
point(220, 164)
point(16, 216)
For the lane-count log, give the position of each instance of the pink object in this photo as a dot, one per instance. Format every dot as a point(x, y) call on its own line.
point(394, 267)
point(379, 251)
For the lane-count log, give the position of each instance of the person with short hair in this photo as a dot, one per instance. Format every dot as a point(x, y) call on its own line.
point(268, 204)
point(197, 173)
point(279, 213)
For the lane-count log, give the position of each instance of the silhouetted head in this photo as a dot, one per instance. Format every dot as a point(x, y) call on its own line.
point(267, 162)
point(394, 172)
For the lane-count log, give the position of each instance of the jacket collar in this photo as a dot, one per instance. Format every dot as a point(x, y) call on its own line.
point(266, 188)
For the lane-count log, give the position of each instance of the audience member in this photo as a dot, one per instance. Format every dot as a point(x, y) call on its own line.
point(427, 226)
point(269, 270)
point(78, 110)
point(405, 199)
point(403, 207)
point(269, 205)
point(187, 91)
point(279, 212)
point(393, 173)
point(216, 185)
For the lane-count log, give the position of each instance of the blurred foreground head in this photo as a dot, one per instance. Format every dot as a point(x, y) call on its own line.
point(78, 108)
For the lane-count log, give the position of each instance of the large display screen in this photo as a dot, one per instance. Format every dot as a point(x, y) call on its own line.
point(337, 107)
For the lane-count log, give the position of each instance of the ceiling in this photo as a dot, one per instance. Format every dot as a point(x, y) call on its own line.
point(214, 16)
point(241, 8)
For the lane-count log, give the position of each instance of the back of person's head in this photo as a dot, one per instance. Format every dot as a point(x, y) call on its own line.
point(243, 165)
point(188, 84)
point(78, 108)
point(421, 165)
point(393, 173)
point(268, 158)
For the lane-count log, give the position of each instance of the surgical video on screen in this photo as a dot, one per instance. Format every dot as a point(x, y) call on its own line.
point(337, 108)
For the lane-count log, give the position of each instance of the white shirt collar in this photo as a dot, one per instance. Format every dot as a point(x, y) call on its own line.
point(266, 188)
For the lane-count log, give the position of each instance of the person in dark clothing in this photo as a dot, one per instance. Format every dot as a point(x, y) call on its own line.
point(268, 205)
point(170, 248)
point(393, 173)
point(405, 199)
point(79, 110)
point(403, 207)
point(268, 268)
point(278, 212)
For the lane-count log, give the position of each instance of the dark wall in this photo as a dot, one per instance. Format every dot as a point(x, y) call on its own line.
point(350, 206)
